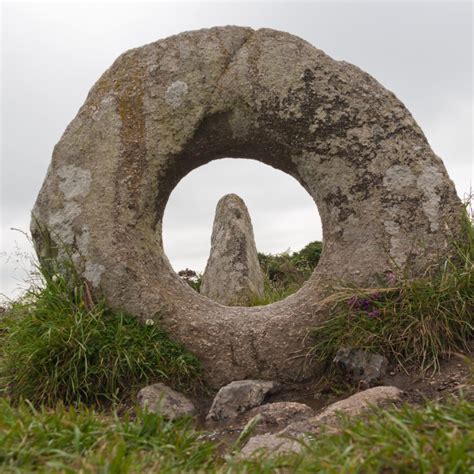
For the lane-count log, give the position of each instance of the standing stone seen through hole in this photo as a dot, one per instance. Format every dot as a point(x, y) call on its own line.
point(233, 276)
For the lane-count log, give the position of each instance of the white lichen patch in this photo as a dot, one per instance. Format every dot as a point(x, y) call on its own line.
point(93, 273)
point(75, 181)
point(428, 182)
point(175, 93)
point(398, 247)
point(60, 222)
point(82, 240)
point(398, 177)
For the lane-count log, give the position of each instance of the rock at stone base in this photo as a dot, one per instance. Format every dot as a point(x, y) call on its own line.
point(233, 276)
point(361, 366)
point(292, 438)
point(238, 397)
point(278, 415)
point(159, 398)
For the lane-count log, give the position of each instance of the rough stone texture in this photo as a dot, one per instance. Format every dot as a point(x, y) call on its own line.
point(163, 399)
point(289, 439)
point(239, 396)
point(162, 110)
point(232, 276)
point(278, 415)
point(361, 366)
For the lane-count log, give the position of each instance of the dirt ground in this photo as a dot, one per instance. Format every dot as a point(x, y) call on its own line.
point(456, 375)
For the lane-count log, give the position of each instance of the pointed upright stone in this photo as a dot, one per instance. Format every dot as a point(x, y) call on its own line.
point(233, 276)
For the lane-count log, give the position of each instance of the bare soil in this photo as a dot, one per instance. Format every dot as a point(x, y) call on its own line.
point(456, 375)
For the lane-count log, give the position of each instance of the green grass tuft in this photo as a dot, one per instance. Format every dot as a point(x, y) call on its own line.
point(70, 440)
point(416, 322)
point(436, 438)
point(285, 273)
point(432, 439)
point(58, 345)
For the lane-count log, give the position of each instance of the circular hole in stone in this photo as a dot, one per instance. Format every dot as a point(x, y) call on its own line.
point(284, 217)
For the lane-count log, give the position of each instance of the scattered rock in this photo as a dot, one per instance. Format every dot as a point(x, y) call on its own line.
point(278, 415)
point(361, 366)
point(233, 275)
point(163, 399)
point(238, 397)
point(290, 438)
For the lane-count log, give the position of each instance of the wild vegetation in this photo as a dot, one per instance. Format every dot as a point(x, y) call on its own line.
point(414, 322)
point(284, 273)
point(57, 344)
point(69, 364)
point(434, 438)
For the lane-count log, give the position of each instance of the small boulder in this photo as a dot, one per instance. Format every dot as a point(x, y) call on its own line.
point(278, 415)
point(361, 366)
point(289, 439)
point(238, 397)
point(159, 398)
point(233, 276)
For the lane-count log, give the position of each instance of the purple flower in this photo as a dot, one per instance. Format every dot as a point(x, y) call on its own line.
point(391, 277)
point(353, 302)
point(365, 304)
point(375, 296)
point(374, 313)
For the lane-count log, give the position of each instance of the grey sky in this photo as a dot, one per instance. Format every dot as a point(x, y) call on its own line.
point(53, 53)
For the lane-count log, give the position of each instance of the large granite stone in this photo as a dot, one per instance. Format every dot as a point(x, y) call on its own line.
point(233, 275)
point(385, 200)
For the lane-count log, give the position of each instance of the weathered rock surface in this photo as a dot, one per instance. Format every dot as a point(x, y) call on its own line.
point(289, 439)
point(232, 276)
point(239, 396)
point(278, 415)
point(162, 110)
point(159, 398)
point(361, 366)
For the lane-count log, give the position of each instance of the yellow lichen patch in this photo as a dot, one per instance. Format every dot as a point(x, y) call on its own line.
point(128, 88)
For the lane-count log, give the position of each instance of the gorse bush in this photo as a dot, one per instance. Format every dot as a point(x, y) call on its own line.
point(415, 322)
point(57, 344)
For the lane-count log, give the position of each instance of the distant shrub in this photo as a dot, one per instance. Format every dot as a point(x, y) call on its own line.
point(285, 273)
point(192, 278)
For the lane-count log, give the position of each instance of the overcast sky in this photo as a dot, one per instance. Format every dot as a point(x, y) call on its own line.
point(53, 53)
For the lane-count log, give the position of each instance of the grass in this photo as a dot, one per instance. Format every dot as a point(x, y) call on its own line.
point(56, 344)
point(60, 350)
point(415, 322)
point(438, 438)
point(272, 293)
point(432, 439)
point(70, 440)
point(285, 273)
